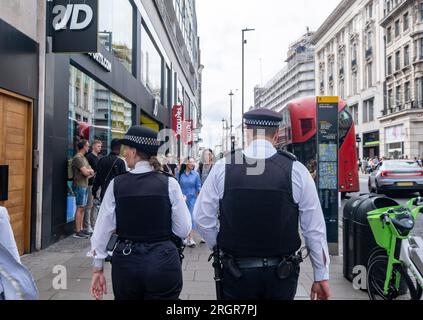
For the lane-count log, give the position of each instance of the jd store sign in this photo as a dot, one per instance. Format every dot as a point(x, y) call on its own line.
point(74, 25)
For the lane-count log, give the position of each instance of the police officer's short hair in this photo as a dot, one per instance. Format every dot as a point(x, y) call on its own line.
point(269, 131)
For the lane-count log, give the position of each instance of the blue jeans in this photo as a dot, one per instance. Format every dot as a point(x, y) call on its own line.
point(81, 195)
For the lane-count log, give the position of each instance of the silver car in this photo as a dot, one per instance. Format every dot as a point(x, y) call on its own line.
point(397, 175)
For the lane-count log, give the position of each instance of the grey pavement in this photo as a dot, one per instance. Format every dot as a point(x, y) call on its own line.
point(197, 272)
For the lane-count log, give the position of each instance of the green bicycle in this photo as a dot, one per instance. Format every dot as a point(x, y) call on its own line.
point(395, 270)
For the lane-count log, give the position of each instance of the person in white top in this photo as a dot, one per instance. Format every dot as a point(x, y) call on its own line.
point(16, 282)
point(146, 209)
point(258, 217)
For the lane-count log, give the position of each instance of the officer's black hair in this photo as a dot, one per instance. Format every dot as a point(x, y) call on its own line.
point(269, 132)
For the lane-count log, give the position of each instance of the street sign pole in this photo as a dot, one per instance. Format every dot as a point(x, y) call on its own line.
point(327, 160)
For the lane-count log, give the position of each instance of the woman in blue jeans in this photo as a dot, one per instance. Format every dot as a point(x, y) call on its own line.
point(190, 183)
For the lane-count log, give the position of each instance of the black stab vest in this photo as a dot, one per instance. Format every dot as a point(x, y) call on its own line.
point(258, 215)
point(143, 207)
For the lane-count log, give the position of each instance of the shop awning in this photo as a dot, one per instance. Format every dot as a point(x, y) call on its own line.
point(372, 144)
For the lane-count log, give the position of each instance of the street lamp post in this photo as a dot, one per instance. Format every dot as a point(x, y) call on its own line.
point(223, 136)
point(243, 74)
point(231, 94)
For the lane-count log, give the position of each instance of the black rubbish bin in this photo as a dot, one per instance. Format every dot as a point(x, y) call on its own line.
point(357, 235)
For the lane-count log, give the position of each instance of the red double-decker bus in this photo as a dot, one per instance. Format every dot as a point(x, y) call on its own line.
point(299, 135)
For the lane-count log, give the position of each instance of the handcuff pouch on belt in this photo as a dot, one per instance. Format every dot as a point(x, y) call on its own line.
point(285, 266)
point(288, 267)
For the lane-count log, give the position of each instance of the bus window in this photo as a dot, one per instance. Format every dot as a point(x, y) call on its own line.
point(345, 123)
point(306, 152)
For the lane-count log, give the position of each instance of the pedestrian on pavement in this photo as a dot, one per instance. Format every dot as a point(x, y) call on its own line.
point(206, 164)
point(82, 171)
point(108, 168)
point(16, 282)
point(91, 212)
point(145, 208)
point(263, 196)
point(190, 183)
point(364, 165)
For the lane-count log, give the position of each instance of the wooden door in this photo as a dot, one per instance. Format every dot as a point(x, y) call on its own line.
point(16, 152)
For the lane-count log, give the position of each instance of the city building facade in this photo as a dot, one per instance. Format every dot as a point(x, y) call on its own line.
point(401, 119)
point(295, 80)
point(350, 64)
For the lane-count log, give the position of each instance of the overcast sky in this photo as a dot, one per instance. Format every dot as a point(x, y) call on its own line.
point(277, 22)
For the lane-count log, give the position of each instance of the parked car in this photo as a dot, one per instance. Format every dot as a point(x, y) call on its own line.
point(397, 175)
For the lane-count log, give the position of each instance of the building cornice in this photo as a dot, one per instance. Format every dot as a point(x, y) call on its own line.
point(330, 21)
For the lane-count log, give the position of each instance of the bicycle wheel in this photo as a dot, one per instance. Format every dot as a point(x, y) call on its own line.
point(376, 274)
point(414, 290)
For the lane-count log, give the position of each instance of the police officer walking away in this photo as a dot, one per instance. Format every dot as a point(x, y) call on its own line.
point(145, 208)
point(262, 197)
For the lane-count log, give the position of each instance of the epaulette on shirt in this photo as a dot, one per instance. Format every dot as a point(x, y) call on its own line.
point(288, 155)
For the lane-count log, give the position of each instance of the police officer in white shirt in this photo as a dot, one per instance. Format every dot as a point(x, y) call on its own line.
point(145, 208)
point(251, 207)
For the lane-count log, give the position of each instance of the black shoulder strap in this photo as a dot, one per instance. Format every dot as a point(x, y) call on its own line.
point(166, 174)
point(287, 154)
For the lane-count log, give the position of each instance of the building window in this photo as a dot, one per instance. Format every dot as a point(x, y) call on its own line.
point(354, 53)
point(368, 110)
point(354, 113)
point(398, 101)
point(421, 11)
point(354, 83)
point(407, 92)
point(390, 99)
point(369, 75)
point(406, 19)
point(397, 60)
point(406, 55)
point(115, 29)
point(180, 93)
point(389, 35)
point(151, 65)
point(371, 109)
point(365, 112)
point(369, 11)
point(167, 87)
point(419, 92)
point(389, 67)
point(106, 117)
point(421, 49)
point(341, 89)
point(397, 28)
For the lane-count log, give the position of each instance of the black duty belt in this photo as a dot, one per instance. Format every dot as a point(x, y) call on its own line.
point(251, 263)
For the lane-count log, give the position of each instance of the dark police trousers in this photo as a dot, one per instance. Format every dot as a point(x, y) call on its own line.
point(259, 284)
point(152, 271)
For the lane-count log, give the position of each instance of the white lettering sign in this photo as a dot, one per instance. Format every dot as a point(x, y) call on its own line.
point(71, 13)
point(106, 64)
